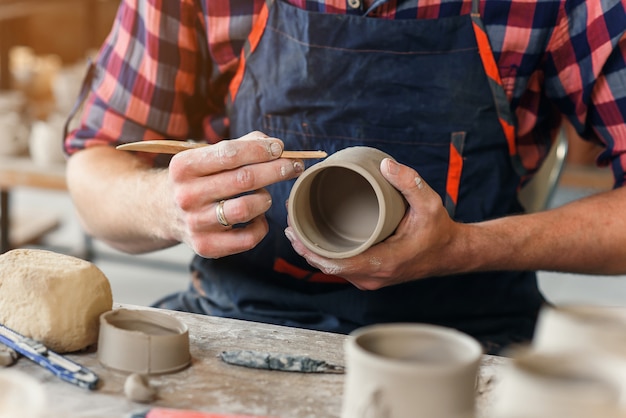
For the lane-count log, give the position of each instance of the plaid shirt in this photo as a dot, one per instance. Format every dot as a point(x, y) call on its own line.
point(164, 70)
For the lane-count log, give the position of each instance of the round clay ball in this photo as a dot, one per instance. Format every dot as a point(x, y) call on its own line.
point(138, 389)
point(53, 298)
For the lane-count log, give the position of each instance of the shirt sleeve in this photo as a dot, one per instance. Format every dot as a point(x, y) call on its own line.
point(586, 76)
point(150, 77)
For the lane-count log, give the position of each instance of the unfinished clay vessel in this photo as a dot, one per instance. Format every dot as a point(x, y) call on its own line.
point(143, 341)
point(597, 332)
point(410, 371)
point(21, 395)
point(343, 205)
point(549, 385)
point(581, 327)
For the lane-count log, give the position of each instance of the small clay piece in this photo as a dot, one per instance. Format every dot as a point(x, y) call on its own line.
point(53, 298)
point(8, 356)
point(138, 389)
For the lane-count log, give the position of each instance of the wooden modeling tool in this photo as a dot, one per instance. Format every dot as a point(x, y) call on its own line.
point(168, 146)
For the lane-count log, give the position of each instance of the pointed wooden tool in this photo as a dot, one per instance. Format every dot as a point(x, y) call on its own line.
point(167, 146)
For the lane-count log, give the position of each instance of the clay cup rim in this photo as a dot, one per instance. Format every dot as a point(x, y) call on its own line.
point(143, 341)
point(435, 349)
point(306, 179)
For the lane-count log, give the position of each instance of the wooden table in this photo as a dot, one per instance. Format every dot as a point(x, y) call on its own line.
point(211, 385)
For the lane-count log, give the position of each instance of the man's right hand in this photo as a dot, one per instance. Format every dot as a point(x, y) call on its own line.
point(135, 208)
point(227, 181)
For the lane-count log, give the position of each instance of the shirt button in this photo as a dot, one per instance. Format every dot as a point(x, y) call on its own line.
point(355, 4)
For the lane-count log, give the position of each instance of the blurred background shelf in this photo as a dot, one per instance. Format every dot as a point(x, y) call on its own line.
point(66, 28)
point(41, 38)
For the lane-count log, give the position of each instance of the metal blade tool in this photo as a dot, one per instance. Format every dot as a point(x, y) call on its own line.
point(59, 365)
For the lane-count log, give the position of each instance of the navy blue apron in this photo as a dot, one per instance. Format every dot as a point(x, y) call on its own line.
point(425, 92)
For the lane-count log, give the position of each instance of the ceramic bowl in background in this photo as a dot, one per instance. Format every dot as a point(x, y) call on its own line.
point(46, 141)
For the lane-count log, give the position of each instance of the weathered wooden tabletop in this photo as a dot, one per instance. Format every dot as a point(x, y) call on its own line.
point(211, 385)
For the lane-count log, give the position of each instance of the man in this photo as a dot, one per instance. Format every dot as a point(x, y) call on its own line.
point(466, 95)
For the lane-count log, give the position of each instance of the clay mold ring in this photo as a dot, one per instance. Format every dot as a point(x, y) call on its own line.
point(143, 341)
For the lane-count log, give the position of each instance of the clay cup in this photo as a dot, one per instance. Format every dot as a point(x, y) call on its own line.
point(410, 371)
point(343, 205)
point(143, 341)
point(597, 332)
point(549, 385)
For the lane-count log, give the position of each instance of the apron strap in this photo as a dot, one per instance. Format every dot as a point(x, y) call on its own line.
point(503, 108)
point(251, 43)
point(476, 7)
point(376, 4)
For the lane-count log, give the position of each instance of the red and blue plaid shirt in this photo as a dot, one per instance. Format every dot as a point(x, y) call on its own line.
point(164, 70)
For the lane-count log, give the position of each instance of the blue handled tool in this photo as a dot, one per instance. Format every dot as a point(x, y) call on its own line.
point(60, 366)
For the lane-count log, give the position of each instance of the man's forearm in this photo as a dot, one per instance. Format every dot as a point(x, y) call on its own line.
point(586, 236)
point(119, 199)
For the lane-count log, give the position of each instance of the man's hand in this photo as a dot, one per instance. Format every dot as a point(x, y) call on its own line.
point(584, 236)
point(236, 173)
point(136, 208)
point(417, 249)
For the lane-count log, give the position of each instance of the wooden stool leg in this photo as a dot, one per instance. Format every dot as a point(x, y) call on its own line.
point(87, 252)
point(5, 245)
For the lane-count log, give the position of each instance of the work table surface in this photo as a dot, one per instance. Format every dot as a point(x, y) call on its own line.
point(211, 385)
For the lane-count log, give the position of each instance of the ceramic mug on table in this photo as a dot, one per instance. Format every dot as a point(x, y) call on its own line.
point(550, 385)
point(21, 395)
point(343, 205)
point(597, 332)
point(410, 371)
point(581, 327)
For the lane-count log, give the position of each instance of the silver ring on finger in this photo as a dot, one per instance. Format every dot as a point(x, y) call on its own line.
point(219, 212)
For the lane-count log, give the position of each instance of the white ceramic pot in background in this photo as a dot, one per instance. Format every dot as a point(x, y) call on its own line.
point(554, 385)
point(343, 205)
point(13, 127)
point(13, 134)
point(581, 327)
point(410, 371)
point(12, 101)
point(66, 85)
point(46, 141)
point(590, 332)
point(21, 395)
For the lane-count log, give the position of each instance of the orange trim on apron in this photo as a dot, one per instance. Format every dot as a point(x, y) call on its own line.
point(282, 266)
point(491, 69)
point(454, 173)
point(253, 40)
point(455, 168)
